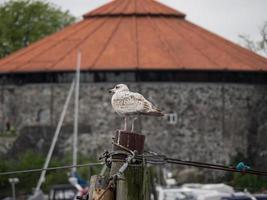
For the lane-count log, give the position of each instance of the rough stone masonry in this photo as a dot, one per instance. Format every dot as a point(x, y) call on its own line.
point(209, 122)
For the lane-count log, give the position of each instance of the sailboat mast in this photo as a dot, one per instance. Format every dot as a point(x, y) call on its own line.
point(76, 113)
point(59, 125)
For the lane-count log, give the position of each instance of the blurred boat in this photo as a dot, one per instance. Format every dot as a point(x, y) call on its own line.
point(62, 192)
point(205, 192)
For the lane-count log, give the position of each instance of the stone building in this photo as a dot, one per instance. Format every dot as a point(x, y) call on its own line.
point(213, 91)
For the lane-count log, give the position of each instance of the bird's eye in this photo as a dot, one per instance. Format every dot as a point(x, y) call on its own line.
point(117, 87)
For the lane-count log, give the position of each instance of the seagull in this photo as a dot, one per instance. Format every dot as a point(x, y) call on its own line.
point(127, 103)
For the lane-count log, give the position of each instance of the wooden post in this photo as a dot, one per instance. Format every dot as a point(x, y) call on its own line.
point(131, 186)
point(99, 187)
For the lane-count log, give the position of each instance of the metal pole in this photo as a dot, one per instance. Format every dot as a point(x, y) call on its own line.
point(13, 191)
point(48, 158)
point(76, 114)
point(13, 181)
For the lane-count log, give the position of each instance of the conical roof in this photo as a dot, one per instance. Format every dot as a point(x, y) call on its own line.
point(131, 35)
point(133, 8)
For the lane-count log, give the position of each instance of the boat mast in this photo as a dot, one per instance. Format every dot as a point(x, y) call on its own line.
point(59, 125)
point(76, 114)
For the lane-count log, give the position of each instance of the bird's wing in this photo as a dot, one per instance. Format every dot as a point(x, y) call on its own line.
point(142, 105)
point(138, 104)
point(135, 103)
point(146, 107)
point(131, 102)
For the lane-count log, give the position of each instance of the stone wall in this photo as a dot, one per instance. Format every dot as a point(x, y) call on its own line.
point(214, 120)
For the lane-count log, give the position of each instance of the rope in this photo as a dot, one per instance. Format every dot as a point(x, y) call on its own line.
point(50, 168)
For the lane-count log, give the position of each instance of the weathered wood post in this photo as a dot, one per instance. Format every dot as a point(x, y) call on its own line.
point(131, 186)
point(99, 189)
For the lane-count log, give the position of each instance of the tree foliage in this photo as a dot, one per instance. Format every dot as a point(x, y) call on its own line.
point(250, 182)
point(259, 46)
point(243, 181)
point(25, 21)
point(32, 160)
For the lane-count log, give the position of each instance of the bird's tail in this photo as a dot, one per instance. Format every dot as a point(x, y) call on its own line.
point(155, 112)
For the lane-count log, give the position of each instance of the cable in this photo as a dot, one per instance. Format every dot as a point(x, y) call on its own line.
point(160, 160)
point(49, 168)
point(157, 159)
point(215, 167)
point(153, 160)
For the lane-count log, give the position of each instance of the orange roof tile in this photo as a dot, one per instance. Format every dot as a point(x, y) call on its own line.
point(130, 35)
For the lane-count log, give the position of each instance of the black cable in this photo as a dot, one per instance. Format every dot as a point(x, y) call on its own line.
point(49, 169)
point(215, 167)
point(155, 158)
point(159, 159)
point(229, 168)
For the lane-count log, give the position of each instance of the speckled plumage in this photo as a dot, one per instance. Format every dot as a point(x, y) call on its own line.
point(125, 102)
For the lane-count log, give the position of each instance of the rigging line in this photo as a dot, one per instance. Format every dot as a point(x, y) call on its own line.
point(50, 168)
point(57, 132)
point(161, 159)
point(149, 161)
point(76, 111)
point(214, 166)
point(200, 164)
point(196, 164)
point(217, 168)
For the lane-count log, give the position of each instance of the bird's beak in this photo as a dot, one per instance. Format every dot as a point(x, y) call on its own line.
point(111, 90)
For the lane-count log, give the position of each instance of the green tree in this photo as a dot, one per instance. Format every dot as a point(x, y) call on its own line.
point(242, 181)
point(32, 160)
point(250, 182)
point(25, 21)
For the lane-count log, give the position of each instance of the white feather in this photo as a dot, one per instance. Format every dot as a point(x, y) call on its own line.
point(125, 102)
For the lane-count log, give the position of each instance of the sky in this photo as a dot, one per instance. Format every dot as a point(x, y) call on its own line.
point(228, 18)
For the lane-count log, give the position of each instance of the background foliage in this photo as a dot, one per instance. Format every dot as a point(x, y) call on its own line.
point(25, 21)
point(258, 46)
point(31, 160)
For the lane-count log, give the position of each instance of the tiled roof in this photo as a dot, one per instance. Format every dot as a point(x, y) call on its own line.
point(130, 35)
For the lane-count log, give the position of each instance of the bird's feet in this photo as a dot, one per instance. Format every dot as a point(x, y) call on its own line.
point(132, 130)
point(125, 123)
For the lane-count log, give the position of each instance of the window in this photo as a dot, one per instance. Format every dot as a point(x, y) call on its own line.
point(171, 118)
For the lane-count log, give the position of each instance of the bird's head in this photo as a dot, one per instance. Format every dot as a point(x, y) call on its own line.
point(119, 88)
